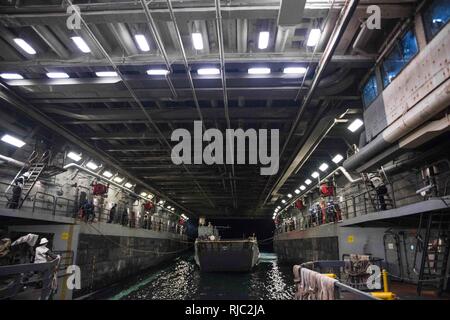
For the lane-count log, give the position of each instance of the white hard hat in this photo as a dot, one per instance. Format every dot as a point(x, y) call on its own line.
point(43, 241)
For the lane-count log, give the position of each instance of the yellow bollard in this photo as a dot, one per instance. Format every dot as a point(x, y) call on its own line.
point(385, 294)
point(385, 281)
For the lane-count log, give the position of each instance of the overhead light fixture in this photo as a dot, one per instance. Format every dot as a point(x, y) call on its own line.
point(11, 76)
point(142, 42)
point(208, 71)
point(118, 180)
point(143, 194)
point(57, 75)
point(315, 174)
point(92, 165)
point(258, 71)
point(289, 195)
point(314, 37)
point(308, 182)
point(128, 185)
point(24, 46)
point(107, 174)
point(74, 156)
point(278, 207)
point(323, 167)
point(294, 70)
point(81, 44)
point(197, 40)
point(302, 187)
point(355, 125)
point(263, 41)
point(283, 201)
point(157, 72)
point(150, 196)
point(297, 191)
point(13, 141)
point(337, 158)
point(102, 74)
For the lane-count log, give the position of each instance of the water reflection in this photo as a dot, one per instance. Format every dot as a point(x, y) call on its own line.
point(183, 280)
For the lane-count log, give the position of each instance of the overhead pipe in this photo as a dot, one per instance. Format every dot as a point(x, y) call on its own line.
point(160, 45)
point(435, 102)
point(136, 99)
point(224, 87)
point(346, 15)
point(191, 81)
point(15, 162)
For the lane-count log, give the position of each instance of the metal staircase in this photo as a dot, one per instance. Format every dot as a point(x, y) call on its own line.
point(31, 172)
point(433, 241)
point(379, 203)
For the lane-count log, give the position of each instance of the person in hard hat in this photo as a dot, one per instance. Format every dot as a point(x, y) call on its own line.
point(42, 253)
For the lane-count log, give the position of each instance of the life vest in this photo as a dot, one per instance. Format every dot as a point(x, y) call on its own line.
point(148, 205)
point(326, 190)
point(299, 204)
point(99, 189)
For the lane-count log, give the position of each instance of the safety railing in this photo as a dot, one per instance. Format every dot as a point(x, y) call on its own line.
point(23, 278)
point(401, 191)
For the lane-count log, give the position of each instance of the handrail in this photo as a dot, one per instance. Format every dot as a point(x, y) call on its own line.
point(47, 269)
point(44, 194)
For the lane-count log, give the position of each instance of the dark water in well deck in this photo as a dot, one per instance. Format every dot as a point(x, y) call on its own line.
point(183, 280)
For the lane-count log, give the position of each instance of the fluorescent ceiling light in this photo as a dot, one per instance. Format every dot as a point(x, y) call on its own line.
point(142, 42)
point(106, 74)
point(25, 46)
point(92, 165)
point(289, 195)
point(283, 201)
point(143, 194)
point(302, 187)
point(74, 156)
point(13, 141)
point(208, 71)
point(308, 182)
point(107, 174)
point(11, 76)
point(128, 185)
point(337, 158)
point(197, 40)
point(355, 125)
point(150, 196)
point(259, 71)
point(157, 72)
point(314, 37)
point(81, 44)
point(263, 41)
point(323, 167)
point(118, 179)
point(278, 207)
point(297, 191)
point(294, 70)
point(57, 75)
point(315, 174)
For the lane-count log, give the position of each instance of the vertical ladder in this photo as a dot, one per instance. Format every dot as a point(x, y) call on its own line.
point(35, 165)
point(435, 247)
point(35, 170)
point(372, 193)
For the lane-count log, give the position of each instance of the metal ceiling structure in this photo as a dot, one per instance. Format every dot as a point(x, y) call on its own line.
point(128, 120)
